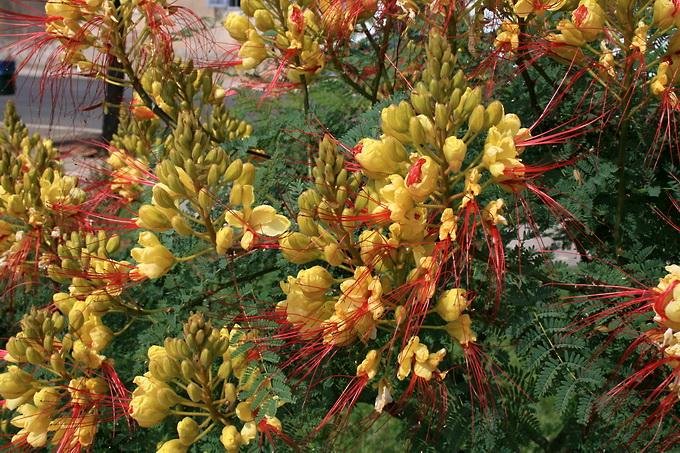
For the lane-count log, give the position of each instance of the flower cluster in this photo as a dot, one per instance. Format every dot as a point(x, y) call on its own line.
point(182, 373)
point(626, 34)
point(391, 218)
point(58, 385)
point(288, 31)
point(184, 198)
point(38, 202)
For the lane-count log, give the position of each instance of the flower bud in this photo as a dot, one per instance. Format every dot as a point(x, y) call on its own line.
point(194, 392)
point(476, 120)
point(224, 239)
point(395, 121)
point(454, 152)
point(237, 25)
point(231, 439)
point(247, 176)
point(187, 429)
point(244, 412)
point(173, 446)
point(152, 218)
point(181, 226)
point(494, 113)
point(314, 282)
point(233, 170)
point(263, 20)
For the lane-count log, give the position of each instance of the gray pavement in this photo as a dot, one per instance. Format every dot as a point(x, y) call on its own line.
point(60, 108)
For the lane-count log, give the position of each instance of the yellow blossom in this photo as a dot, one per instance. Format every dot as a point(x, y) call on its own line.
point(357, 310)
point(492, 213)
point(422, 178)
point(261, 220)
point(396, 197)
point(154, 259)
point(151, 400)
point(666, 13)
point(253, 51)
point(508, 37)
point(461, 330)
point(447, 228)
point(369, 366)
point(417, 358)
point(380, 158)
point(451, 304)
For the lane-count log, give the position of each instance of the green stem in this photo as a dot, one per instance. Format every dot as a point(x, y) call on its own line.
point(195, 255)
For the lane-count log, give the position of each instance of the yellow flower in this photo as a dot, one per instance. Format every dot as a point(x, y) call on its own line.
point(447, 229)
point(500, 152)
point(225, 239)
point(34, 423)
point(379, 158)
point(396, 197)
point(63, 9)
point(671, 303)
point(85, 356)
point(369, 366)
point(659, 83)
point(16, 386)
point(461, 330)
point(161, 365)
point(451, 304)
point(357, 310)
point(61, 190)
point(472, 187)
point(253, 51)
point(151, 400)
point(154, 259)
point(422, 178)
point(666, 13)
point(588, 19)
point(508, 37)
point(248, 432)
point(640, 37)
point(34, 419)
point(314, 282)
point(492, 213)
point(425, 363)
point(262, 220)
point(384, 396)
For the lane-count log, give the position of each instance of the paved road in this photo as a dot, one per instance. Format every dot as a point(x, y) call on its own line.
point(61, 108)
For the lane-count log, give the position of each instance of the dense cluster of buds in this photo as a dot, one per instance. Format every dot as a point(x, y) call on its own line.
point(398, 215)
point(60, 388)
point(285, 30)
point(185, 196)
point(37, 200)
point(182, 374)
